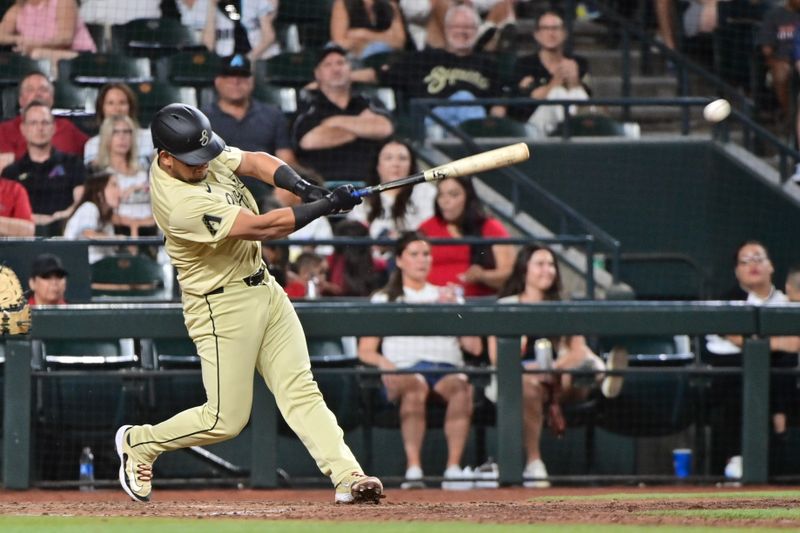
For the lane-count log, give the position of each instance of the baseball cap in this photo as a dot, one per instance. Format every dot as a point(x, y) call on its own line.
point(329, 49)
point(45, 264)
point(235, 65)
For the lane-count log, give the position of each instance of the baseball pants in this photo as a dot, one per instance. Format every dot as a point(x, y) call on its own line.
point(236, 332)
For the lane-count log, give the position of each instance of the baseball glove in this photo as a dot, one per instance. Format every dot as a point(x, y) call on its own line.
point(15, 313)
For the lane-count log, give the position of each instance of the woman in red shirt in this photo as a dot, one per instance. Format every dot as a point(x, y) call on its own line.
point(481, 269)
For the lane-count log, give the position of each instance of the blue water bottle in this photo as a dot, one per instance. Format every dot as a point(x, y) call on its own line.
point(86, 477)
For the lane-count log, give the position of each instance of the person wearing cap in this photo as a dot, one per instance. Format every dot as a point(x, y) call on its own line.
point(239, 318)
point(48, 281)
point(245, 122)
point(338, 132)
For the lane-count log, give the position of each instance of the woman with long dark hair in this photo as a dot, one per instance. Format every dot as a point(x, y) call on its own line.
point(396, 210)
point(353, 271)
point(95, 210)
point(535, 278)
point(409, 284)
point(458, 212)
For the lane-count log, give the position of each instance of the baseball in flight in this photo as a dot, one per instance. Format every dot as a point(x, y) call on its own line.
point(717, 111)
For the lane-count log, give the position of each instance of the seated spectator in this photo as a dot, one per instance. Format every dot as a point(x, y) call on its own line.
point(16, 215)
point(67, 138)
point(535, 279)
point(367, 27)
point(228, 28)
point(319, 228)
point(310, 277)
point(118, 154)
point(338, 132)
point(425, 21)
point(455, 72)
point(115, 99)
point(753, 270)
point(108, 12)
point(245, 122)
point(92, 218)
point(54, 180)
point(353, 270)
point(46, 29)
point(395, 210)
point(776, 38)
point(48, 281)
point(481, 269)
point(411, 392)
point(549, 74)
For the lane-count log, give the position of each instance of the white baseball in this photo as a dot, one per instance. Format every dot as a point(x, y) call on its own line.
point(717, 111)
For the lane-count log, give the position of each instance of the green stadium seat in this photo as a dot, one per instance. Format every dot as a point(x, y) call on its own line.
point(153, 96)
point(195, 68)
point(99, 69)
point(74, 100)
point(496, 127)
point(14, 66)
point(292, 69)
point(284, 98)
point(126, 275)
point(153, 38)
point(310, 17)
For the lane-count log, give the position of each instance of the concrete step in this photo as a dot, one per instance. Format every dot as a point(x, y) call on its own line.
point(641, 86)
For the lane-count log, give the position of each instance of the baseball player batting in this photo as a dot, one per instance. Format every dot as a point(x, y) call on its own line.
point(238, 316)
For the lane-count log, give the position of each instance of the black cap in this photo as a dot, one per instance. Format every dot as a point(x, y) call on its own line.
point(46, 264)
point(235, 65)
point(329, 49)
point(185, 132)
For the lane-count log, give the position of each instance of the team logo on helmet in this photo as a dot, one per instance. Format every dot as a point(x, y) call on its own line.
point(204, 138)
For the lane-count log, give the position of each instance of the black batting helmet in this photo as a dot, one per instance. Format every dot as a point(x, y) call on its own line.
point(185, 132)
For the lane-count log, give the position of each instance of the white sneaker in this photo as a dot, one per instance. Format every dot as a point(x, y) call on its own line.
point(617, 360)
point(458, 479)
point(535, 469)
point(488, 475)
point(413, 480)
point(733, 470)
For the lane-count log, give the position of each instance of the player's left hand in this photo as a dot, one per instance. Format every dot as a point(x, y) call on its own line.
point(311, 193)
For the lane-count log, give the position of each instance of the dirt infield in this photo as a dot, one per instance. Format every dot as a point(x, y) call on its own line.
point(515, 505)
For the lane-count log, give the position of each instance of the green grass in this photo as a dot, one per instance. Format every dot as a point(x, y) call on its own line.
point(765, 495)
point(45, 524)
point(776, 513)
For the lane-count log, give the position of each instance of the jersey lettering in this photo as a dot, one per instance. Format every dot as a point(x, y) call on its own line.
point(212, 223)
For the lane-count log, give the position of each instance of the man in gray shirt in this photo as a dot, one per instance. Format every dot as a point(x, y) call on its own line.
point(245, 122)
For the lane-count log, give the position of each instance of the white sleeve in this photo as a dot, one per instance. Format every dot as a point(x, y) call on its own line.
point(86, 217)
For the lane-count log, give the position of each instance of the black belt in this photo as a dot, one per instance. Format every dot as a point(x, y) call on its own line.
point(251, 281)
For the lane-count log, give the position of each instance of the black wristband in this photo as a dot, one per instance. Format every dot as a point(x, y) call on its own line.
point(285, 177)
point(305, 213)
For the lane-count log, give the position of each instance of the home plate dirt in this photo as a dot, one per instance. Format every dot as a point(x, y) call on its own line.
point(505, 505)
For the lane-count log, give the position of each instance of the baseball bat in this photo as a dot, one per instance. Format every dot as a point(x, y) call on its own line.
point(490, 160)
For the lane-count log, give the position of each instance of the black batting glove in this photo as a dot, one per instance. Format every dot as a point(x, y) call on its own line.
point(342, 199)
point(310, 192)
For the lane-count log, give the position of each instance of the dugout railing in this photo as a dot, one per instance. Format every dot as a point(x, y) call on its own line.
point(320, 319)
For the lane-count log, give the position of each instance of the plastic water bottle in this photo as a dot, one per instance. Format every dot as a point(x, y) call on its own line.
point(293, 39)
point(543, 350)
point(312, 291)
point(86, 477)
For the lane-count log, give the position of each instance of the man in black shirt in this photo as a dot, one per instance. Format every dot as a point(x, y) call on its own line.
point(54, 180)
point(338, 132)
point(550, 73)
point(455, 72)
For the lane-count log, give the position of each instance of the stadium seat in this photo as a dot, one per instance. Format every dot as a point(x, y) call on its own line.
point(310, 17)
point(284, 98)
point(291, 69)
point(196, 69)
point(73, 100)
point(154, 38)
point(126, 275)
point(99, 69)
point(14, 66)
point(153, 96)
point(497, 127)
point(100, 35)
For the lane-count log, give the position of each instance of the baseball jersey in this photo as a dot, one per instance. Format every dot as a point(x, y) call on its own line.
point(196, 219)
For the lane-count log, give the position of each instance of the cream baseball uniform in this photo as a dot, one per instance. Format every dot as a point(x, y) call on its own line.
point(238, 325)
